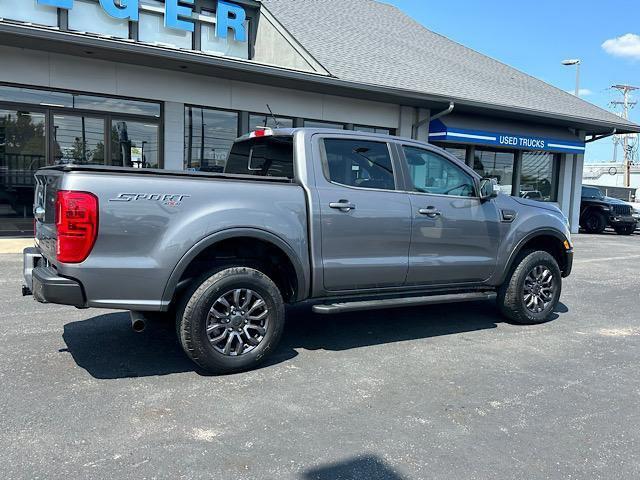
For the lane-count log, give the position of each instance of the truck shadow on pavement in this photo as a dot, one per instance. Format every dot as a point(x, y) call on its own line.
point(369, 467)
point(107, 348)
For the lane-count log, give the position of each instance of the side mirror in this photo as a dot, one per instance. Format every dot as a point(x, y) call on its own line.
point(489, 188)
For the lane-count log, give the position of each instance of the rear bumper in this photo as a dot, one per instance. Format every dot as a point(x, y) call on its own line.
point(46, 285)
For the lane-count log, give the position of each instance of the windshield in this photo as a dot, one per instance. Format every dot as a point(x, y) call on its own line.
point(592, 192)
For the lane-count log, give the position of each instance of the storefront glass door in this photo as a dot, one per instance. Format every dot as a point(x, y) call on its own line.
point(78, 140)
point(22, 152)
point(134, 144)
point(41, 127)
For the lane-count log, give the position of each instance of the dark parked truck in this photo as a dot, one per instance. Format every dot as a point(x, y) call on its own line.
point(598, 211)
point(342, 220)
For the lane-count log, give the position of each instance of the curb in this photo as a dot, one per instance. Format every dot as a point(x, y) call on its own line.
point(14, 245)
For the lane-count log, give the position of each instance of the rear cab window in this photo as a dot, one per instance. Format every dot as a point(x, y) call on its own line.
point(358, 163)
point(269, 156)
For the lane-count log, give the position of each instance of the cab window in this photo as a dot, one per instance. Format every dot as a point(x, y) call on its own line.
point(359, 163)
point(270, 156)
point(433, 173)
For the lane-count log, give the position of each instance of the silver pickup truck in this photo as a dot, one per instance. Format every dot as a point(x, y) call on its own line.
point(342, 220)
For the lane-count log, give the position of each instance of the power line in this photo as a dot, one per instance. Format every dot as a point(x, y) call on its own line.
point(629, 141)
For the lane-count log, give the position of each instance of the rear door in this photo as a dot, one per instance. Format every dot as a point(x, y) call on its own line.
point(455, 236)
point(365, 221)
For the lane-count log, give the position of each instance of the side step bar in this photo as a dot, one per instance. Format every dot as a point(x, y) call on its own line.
point(402, 302)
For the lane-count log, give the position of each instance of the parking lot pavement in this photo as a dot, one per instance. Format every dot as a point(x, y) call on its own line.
point(432, 392)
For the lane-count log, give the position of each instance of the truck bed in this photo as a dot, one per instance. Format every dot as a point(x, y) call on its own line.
point(161, 172)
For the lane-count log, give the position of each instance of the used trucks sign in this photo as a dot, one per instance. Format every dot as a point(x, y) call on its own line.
point(177, 14)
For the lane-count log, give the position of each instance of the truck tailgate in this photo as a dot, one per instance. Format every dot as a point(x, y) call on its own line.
point(47, 186)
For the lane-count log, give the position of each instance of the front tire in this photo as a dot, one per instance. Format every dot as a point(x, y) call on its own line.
point(532, 291)
point(232, 320)
point(595, 222)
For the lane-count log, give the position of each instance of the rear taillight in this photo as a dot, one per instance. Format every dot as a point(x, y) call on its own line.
point(77, 225)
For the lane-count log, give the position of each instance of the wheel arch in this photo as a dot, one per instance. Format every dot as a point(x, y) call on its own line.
point(548, 240)
point(590, 209)
point(301, 281)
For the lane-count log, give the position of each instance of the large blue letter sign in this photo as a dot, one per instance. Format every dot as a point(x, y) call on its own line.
point(128, 9)
point(224, 21)
point(173, 12)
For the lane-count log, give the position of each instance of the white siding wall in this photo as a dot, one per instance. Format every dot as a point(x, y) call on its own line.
point(43, 69)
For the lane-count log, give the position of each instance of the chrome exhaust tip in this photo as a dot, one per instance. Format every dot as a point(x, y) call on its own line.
point(138, 322)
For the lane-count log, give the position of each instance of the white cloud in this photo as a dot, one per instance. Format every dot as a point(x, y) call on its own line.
point(584, 92)
point(627, 46)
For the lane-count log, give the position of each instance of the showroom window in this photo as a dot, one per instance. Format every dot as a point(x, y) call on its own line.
point(78, 140)
point(496, 164)
point(368, 129)
point(49, 98)
point(89, 16)
point(45, 127)
point(134, 144)
point(209, 135)
point(258, 120)
point(459, 152)
point(539, 179)
point(323, 124)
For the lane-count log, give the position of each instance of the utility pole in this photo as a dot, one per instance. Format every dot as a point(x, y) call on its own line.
point(626, 105)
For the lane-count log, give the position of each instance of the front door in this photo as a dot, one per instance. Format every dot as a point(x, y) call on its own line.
point(365, 222)
point(455, 237)
point(78, 140)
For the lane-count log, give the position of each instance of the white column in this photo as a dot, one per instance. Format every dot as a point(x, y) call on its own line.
point(565, 191)
point(576, 192)
point(174, 136)
point(576, 188)
point(423, 131)
point(407, 119)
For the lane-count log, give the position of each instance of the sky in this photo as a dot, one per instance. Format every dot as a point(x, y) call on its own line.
point(535, 36)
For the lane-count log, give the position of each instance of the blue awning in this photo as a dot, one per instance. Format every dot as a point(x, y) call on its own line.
point(475, 131)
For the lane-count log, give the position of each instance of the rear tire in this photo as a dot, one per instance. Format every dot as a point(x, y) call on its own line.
point(595, 222)
point(532, 291)
point(626, 230)
point(231, 320)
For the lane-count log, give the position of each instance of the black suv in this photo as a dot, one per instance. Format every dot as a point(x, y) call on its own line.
point(597, 212)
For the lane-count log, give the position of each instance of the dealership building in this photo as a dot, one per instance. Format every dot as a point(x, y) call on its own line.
point(170, 84)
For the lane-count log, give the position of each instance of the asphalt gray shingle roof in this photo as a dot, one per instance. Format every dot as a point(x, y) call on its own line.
point(368, 42)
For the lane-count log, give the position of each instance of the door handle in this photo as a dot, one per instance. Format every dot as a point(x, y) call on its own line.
point(431, 212)
point(343, 205)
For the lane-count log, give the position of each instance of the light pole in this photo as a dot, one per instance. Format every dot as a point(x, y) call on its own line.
point(577, 62)
point(144, 164)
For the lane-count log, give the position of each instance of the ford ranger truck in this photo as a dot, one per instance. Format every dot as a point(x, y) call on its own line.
point(341, 220)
